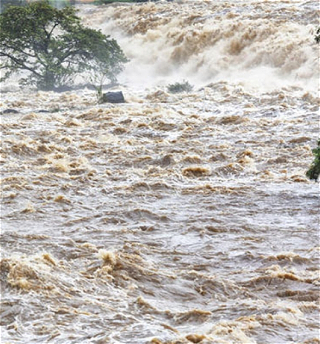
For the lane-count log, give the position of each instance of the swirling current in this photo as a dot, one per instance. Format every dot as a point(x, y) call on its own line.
point(171, 218)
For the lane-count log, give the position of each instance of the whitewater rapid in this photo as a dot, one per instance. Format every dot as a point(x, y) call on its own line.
point(171, 218)
point(261, 45)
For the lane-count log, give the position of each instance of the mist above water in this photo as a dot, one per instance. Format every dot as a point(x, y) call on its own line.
point(261, 46)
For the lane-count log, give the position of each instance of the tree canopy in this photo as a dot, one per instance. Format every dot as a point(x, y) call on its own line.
point(53, 47)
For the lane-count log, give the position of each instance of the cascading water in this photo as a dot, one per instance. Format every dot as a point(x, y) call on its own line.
point(172, 218)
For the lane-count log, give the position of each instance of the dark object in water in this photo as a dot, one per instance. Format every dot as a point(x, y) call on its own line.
point(314, 171)
point(112, 97)
point(9, 111)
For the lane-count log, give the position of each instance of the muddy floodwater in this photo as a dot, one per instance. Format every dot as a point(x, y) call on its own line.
point(171, 218)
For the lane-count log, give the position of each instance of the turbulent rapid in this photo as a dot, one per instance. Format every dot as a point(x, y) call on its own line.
point(171, 218)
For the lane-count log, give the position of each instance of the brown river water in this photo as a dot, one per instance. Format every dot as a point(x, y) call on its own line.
point(171, 218)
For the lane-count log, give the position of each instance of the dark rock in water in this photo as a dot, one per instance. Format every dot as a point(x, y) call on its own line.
point(9, 111)
point(43, 111)
point(112, 97)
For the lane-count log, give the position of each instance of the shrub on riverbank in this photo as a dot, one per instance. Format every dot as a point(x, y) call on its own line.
point(180, 87)
point(314, 170)
point(317, 36)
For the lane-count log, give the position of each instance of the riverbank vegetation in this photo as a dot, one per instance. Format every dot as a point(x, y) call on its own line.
point(52, 47)
point(317, 36)
point(180, 87)
point(314, 170)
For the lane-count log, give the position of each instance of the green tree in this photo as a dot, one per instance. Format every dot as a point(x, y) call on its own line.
point(5, 3)
point(317, 36)
point(314, 170)
point(53, 47)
